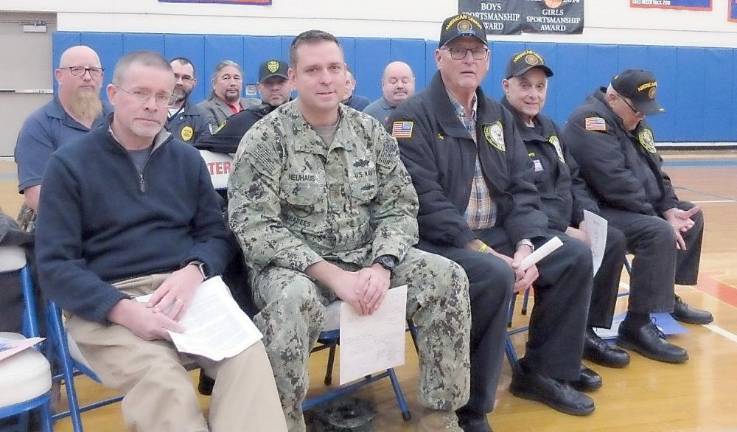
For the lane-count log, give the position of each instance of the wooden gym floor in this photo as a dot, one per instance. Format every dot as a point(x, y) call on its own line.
point(646, 396)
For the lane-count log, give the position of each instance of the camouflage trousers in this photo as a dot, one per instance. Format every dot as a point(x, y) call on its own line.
point(292, 312)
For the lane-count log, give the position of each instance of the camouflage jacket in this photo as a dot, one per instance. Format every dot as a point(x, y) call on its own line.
point(293, 200)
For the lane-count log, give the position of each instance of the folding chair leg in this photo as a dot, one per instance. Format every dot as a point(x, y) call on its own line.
point(406, 414)
point(329, 370)
point(45, 417)
point(511, 353)
point(525, 301)
point(511, 309)
point(67, 372)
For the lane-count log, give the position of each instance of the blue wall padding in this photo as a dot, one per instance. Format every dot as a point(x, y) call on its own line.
point(697, 86)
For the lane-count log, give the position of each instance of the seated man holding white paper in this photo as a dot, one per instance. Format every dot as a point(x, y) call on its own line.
point(128, 210)
point(479, 207)
point(325, 210)
point(564, 195)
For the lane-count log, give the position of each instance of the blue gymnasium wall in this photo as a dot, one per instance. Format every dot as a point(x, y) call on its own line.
point(697, 86)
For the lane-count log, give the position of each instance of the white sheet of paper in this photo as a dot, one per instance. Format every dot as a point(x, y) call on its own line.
point(595, 226)
point(215, 327)
point(373, 343)
point(11, 346)
point(541, 252)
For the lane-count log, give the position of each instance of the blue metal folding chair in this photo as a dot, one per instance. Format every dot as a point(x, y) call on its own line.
point(329, 339)
point(25, 378)
point(68, 363)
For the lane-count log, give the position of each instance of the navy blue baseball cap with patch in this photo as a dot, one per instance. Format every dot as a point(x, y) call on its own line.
point(525, 60)
point(459, 26)
point(640, 87)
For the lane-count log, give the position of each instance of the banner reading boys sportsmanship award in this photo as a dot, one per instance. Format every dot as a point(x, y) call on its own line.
point(498, 17)
point(530, 16)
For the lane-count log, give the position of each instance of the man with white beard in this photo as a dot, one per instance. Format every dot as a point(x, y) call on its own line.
point(185, 121)
point(75, 109)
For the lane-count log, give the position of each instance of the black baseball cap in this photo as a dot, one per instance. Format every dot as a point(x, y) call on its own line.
point(640, 87)
point(271, 68)
point(461, 25)
point(525, 60)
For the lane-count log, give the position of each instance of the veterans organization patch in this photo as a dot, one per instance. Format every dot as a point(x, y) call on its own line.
point(595, 124)
point(495, 135)
point(402, 129)
point(556, 144)
point(186, 133)
point(645, 137)
point(272, 66)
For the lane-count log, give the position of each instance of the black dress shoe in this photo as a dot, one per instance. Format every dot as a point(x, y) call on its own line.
point(587, 381)
point(691, 315)
point(558, 395)
point(650, 342)
point(597, 350)
point(471, 421)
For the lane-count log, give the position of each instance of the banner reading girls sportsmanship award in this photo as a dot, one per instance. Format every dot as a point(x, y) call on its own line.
point(699, 5)
point(531, 16)
point(553, 16)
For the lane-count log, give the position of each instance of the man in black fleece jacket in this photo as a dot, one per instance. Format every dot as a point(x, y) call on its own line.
point(129, 211)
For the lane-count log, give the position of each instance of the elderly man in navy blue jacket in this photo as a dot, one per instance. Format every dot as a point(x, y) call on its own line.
point(479, 207)
point(126, 211)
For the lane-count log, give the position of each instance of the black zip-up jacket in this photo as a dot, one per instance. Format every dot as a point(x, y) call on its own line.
point(563, 192)
point(227, 138)
point(99, 221)
point(622, 168)
point(441, 156)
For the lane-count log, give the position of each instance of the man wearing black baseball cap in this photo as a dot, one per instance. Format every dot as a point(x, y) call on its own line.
point(614, 146)
point(274, 88)
point(565, 197)
point(479, 207)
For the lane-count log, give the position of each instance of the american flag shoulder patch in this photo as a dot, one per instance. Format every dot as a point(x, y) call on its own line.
point(595, 124)
point(402, 129)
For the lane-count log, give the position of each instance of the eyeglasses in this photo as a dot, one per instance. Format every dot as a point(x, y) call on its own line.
point(95, 72)
point(143, 96)
point(634, 110)
point(457, 53)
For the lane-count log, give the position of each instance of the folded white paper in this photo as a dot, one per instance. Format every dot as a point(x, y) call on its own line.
point(373, 343)
point(595, 227)
point(541, 252)
point(214, 326)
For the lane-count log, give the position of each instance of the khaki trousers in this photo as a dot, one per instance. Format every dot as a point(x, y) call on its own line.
point(159, 396)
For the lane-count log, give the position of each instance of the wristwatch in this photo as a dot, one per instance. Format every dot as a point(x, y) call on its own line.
point(389, 262)
point(201, 267)
point(526, 242)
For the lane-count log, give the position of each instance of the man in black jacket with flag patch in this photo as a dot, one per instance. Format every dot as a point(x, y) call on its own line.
point(479, 207)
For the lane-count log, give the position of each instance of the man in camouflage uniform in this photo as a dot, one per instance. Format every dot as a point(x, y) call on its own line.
point(324, 210)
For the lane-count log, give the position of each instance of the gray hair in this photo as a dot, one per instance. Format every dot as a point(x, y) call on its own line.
point(145, 58)
point(220, 66)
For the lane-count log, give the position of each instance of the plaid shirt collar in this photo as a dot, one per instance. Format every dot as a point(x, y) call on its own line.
point(469, 122)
